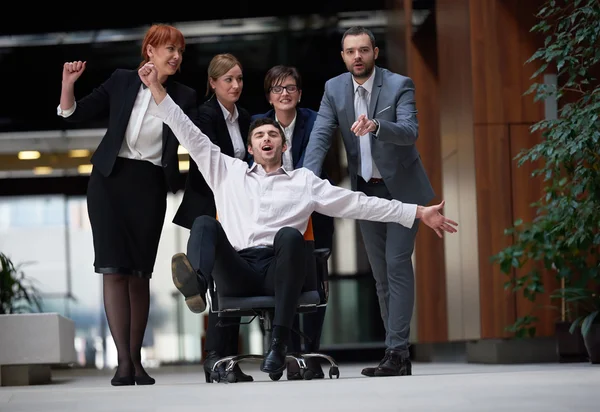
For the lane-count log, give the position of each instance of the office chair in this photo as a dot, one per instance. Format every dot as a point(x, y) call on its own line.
point(263, 307)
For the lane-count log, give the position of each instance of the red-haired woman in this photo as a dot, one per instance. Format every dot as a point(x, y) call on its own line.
point(134, 166)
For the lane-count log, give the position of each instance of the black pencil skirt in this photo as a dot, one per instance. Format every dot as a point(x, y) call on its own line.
point(127, 212)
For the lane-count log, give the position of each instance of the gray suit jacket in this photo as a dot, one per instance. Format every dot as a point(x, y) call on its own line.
point(393, 149)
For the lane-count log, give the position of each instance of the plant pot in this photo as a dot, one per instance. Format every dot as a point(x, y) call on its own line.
point(592, 343)
point(570, 347)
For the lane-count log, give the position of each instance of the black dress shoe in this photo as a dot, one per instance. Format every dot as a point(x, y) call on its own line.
point(211, 358)
point(192, 285)
point(274, 361)
point(144, 380)
point(393, 364)
point(370, 372)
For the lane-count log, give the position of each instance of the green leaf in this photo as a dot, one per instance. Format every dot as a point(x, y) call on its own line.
point(562, 236)
point(587, 323)
point(575, 324)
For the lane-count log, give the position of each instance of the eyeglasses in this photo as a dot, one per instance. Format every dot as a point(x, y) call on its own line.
point(292, 88)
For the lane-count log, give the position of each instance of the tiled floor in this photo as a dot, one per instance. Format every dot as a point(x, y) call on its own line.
point(433, 387)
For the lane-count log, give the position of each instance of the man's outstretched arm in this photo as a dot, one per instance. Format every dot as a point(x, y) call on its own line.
point(335, 201)
point(211, 162)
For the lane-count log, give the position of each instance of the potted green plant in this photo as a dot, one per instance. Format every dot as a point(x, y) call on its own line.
point(18, 293)
point(564, 236)
point(587, 303)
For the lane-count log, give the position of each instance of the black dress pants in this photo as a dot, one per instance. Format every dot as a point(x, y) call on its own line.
point(312, 322)
point(278, 270)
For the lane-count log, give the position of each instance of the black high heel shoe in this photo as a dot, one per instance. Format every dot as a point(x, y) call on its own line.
point(312, 365)
point(144, 380)
point(122, 380)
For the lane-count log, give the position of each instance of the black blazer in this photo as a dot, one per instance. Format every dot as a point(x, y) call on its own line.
point(198, 199)
point(115, 99)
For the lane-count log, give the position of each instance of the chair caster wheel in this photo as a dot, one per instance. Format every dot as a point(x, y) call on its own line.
point(275, 376)
point(307, 374)
point(334, 371)
point(215, 376)
point(231, 377)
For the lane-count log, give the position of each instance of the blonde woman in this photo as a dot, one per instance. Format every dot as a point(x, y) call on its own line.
point(226, 124)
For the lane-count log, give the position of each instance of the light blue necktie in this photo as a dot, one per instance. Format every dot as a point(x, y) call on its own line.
point(366, 162)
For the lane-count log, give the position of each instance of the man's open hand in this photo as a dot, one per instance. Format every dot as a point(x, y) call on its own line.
point(431, 216)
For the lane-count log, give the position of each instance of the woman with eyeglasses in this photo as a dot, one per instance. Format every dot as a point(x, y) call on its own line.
point(283, 90)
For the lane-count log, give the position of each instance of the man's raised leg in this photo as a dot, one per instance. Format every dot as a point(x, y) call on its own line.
point(208, 247)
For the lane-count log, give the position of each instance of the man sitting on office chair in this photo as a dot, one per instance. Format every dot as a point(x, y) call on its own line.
point(257, 245)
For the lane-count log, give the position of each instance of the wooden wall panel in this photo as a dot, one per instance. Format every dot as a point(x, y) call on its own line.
point(430, 276)
point(455, 76)
point(494, 211)
point(501, 44)
point(525, 191)
point(458, 159)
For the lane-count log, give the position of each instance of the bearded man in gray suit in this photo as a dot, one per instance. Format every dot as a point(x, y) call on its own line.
point(375, 112)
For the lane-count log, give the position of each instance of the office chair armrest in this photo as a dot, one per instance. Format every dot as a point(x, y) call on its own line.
point(322, 256)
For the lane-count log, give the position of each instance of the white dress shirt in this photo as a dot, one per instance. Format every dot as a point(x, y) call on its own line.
point(368, 86)
point(254, 205)
point(288, 161)
point(143, 136)
point(233, 126)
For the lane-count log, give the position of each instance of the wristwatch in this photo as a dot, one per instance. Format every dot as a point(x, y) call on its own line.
point(376, 125)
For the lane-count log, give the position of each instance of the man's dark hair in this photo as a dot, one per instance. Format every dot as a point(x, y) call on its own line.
point(357, 31)
point(261, 122)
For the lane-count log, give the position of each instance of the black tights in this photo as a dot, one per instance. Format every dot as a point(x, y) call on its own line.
point(127, 303)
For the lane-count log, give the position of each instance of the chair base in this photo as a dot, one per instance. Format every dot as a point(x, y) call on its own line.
point(306, 373)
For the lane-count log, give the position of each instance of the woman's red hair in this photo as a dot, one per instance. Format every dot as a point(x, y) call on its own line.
point(158, 35)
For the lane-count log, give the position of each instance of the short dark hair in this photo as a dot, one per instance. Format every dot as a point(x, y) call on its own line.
point(357, 31)
point(277, 74)
point(261, 122)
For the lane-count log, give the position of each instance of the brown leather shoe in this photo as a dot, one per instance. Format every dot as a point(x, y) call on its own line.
point(191, 285)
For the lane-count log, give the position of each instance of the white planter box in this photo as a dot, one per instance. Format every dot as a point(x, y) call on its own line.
point(30, 343)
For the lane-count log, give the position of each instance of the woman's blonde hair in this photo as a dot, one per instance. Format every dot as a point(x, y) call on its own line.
point(218, 66)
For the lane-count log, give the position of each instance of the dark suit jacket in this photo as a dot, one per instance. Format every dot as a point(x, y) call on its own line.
point(114, 99)
point(394, 148)
point(305, 119)
point(198, 199)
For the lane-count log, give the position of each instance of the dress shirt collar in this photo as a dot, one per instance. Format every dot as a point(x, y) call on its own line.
point(290, 126)
point(368, 85)
point(256, 168)
point(230, 117)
